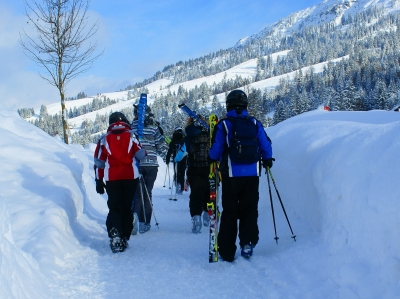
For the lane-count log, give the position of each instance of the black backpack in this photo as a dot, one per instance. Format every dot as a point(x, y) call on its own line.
point(244, 147)
point(199, 149)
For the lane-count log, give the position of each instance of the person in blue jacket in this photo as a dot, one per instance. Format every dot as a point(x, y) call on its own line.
point(240, 182)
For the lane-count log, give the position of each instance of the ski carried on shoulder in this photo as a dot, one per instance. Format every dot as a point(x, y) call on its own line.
point(190, 112)
point(212, 204)
point(141, 114)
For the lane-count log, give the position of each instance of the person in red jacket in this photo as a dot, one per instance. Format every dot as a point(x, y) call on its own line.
point(114, 163)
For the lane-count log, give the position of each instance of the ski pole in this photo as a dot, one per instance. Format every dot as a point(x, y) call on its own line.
point(272, 207)
point(176, 178)
point(176, 182)
point(169, 179)
point(151, 202)
point(165, 178)
point(143, 207)
point(280, 200)
point(171, 198)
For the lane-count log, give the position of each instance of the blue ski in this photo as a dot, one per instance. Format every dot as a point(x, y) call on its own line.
point(141, 114)
point(187, 110)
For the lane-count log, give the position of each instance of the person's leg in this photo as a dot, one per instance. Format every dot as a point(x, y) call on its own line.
point(128, 192)
point(139, 208)
point(196, 198)
point(248, 211)
point(228, 226)
point(181, 173)
point(149, 177)
point(115, 207)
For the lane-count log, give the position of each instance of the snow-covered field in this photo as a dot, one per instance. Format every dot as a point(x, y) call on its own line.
point(337, 174)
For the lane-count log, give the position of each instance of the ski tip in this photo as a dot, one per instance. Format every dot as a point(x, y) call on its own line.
point(181, 105)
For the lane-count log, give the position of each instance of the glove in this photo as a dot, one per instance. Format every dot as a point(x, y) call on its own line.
point(267, 163)
point(100, 186)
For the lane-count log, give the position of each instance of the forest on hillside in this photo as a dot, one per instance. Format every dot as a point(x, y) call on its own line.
point(367, 77)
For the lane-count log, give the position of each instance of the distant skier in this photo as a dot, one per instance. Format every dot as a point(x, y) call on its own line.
point(154, 144)
point(177, 151)
point(114, 162)
point(240, 170)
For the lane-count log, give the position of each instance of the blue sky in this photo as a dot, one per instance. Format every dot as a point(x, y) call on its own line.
point(138, 37)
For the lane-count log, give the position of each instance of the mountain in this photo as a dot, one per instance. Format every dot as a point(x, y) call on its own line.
point(342, 54)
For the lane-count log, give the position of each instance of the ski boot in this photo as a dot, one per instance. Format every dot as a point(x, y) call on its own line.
point(196, 221)
point(115, 240)
point(247, 251)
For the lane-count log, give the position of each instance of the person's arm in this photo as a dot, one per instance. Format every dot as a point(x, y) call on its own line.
point(100, 157)
point(264, 142)
point(218, 144)
point(160, 144)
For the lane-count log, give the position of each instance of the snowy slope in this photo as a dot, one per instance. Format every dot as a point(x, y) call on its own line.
point(337, 173)
point(246, 69)
point(325, 12)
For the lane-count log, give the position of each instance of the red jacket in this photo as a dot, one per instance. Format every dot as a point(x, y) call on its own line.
point(114, 157)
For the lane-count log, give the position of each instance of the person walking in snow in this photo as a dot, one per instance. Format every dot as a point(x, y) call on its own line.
point(177, 151)
point(154, 144)
point(240, 176)
point(197, 142)
point(114, 163)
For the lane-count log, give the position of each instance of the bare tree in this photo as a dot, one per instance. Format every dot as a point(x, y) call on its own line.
point(61, 44)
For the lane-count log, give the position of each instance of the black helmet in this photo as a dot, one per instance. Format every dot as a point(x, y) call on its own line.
point(136, 108)
point(117, 116)
point(236, 98)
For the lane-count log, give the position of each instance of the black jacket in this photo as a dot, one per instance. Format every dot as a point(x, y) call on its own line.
point(177, 141)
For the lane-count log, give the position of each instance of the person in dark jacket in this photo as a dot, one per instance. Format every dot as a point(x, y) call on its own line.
point(177, 151)
point(114, 162)
point(197, 145)
point(240, 182)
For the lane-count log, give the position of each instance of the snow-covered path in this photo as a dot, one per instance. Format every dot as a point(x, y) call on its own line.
point(337, 174)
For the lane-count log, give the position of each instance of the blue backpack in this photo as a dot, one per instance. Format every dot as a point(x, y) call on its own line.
point(180, 153)
point(244, 147)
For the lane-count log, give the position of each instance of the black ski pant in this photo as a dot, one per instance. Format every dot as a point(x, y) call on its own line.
point(144, 208)
point(199, 189)
point(120, 196)
point(179, 172)
point(239, 202)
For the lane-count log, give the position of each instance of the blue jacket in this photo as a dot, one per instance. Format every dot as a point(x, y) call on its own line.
point(221, 143)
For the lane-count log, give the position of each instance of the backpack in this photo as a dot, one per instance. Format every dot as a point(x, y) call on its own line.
point(244, 147)
point(199, 149)
point(180, 153)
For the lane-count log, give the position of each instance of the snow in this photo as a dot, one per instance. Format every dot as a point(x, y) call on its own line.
point(338, 177)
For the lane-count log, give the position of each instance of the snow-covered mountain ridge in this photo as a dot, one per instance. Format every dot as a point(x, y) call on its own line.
point(283, 65)
point(328, 11)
